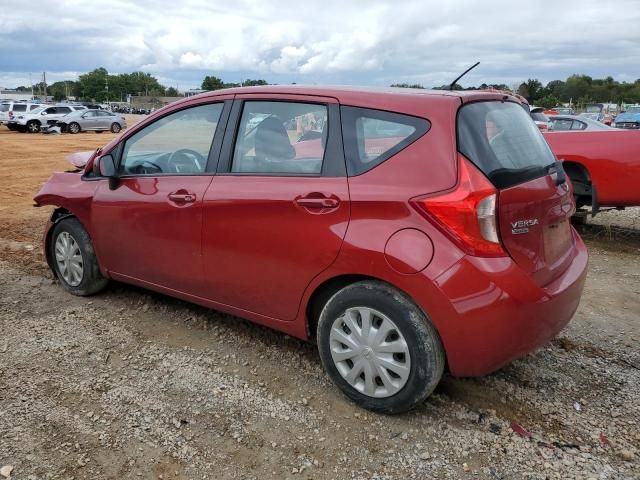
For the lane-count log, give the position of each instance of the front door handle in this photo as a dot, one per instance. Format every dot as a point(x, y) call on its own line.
point(182, 197)
point(318, 202)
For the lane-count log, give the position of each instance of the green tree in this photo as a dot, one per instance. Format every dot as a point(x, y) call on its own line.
point(548, 102)
point(406, 85)
point(171, 92)
point(254, 83)
point(212, 83)
point(93, 84)
point(532, 90)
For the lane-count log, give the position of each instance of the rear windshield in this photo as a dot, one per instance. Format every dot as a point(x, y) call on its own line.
point(539, 117)
point(503, 142)
point(4, 107)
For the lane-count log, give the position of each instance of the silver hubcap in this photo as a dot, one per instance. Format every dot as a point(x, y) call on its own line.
point(69, 259)
point(74, 128)
point(370, 352)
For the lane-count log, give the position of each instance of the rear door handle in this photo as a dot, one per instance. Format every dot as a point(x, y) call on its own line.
point(180, 197)
point(310, 202)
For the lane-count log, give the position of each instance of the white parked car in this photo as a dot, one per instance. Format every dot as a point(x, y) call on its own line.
point(9, 110)
point(45, 116)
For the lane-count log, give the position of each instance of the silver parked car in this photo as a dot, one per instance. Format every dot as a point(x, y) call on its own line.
point(562, 123)
point(95, 120)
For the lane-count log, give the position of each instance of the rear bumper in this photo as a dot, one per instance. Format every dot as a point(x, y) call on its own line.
point(501, 314)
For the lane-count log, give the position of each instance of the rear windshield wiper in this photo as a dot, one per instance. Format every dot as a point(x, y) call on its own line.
point(557, 168)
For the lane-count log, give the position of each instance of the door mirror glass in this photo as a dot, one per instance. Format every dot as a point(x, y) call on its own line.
point(107, 169)
point(107, 166)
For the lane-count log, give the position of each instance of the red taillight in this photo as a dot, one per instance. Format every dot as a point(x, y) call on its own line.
point(10, 114)
point(467, 214)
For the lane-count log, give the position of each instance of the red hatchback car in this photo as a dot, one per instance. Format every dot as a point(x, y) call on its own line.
point(408, 232)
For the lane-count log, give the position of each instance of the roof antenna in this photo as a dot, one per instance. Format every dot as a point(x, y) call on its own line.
point(462, 75)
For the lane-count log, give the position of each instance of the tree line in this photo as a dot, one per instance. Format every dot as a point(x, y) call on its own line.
point(100, 86)
point(578, 90)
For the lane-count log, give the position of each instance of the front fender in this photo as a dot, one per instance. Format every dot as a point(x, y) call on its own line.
point(72, 196)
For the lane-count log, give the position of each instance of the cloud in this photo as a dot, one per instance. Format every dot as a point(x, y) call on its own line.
point(329, 41)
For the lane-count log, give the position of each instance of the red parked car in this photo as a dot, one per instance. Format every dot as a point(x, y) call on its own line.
point(604, 165)
point(407, 232)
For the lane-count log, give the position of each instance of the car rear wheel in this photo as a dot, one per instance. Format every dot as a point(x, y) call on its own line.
point(379, 348)
point(74, 260)
point(115, 127)
point(73, 127)
point(33, 126)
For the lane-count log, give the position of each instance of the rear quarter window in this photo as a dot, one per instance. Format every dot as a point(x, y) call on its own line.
point(4, 107)
point(19, 108)
point(373, 136)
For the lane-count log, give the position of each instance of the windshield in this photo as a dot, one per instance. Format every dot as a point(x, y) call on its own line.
point(503, 142)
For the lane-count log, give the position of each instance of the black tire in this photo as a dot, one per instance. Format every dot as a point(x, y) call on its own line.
point(427, 357)
point(13, 128)
point(33, 126)
point(115, 127)
point(73, 127)
point(92, 279)
point(21, 128)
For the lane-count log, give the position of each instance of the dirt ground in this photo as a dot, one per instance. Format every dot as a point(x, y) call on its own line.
point(132, 384)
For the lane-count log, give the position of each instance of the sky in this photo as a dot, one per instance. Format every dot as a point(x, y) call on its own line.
point(354, 42)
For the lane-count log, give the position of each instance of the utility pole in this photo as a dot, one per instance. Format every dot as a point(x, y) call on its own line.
point(106, 87)
point(31, 82)
point(44, 82)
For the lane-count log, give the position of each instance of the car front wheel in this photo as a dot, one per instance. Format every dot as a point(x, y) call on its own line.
point(379, 347)
point(73, 127)
point(74, 260)
point(115, 128)
point(33, 126)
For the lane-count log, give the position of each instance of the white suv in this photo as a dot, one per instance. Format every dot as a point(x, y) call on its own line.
point(9, 110)
point(31, 122)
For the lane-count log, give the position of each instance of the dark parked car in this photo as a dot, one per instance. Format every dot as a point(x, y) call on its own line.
point(407, 232)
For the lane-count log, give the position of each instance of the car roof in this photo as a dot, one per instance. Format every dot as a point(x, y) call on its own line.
point(344, 92)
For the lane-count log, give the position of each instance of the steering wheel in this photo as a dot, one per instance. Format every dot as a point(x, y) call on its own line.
point(187, 156)
point(145, 165)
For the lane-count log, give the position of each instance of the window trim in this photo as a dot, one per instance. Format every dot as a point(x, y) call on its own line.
point(349, 115)
point(333, 162)
point(214, 149)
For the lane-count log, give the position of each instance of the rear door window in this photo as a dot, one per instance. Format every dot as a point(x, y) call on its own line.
point(562, 124)
point(503, 142)
point(372, 136)
point(287, 138)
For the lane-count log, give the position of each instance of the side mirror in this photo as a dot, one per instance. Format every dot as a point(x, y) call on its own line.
point(43, 113)
point(107, 169)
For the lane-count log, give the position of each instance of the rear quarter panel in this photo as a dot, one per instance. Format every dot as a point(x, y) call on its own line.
point(611, 157)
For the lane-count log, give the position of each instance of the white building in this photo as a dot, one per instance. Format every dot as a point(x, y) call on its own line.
point(9, 94)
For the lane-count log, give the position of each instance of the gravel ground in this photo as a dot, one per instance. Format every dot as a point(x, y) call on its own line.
point(628, 218)
point(130, 384)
